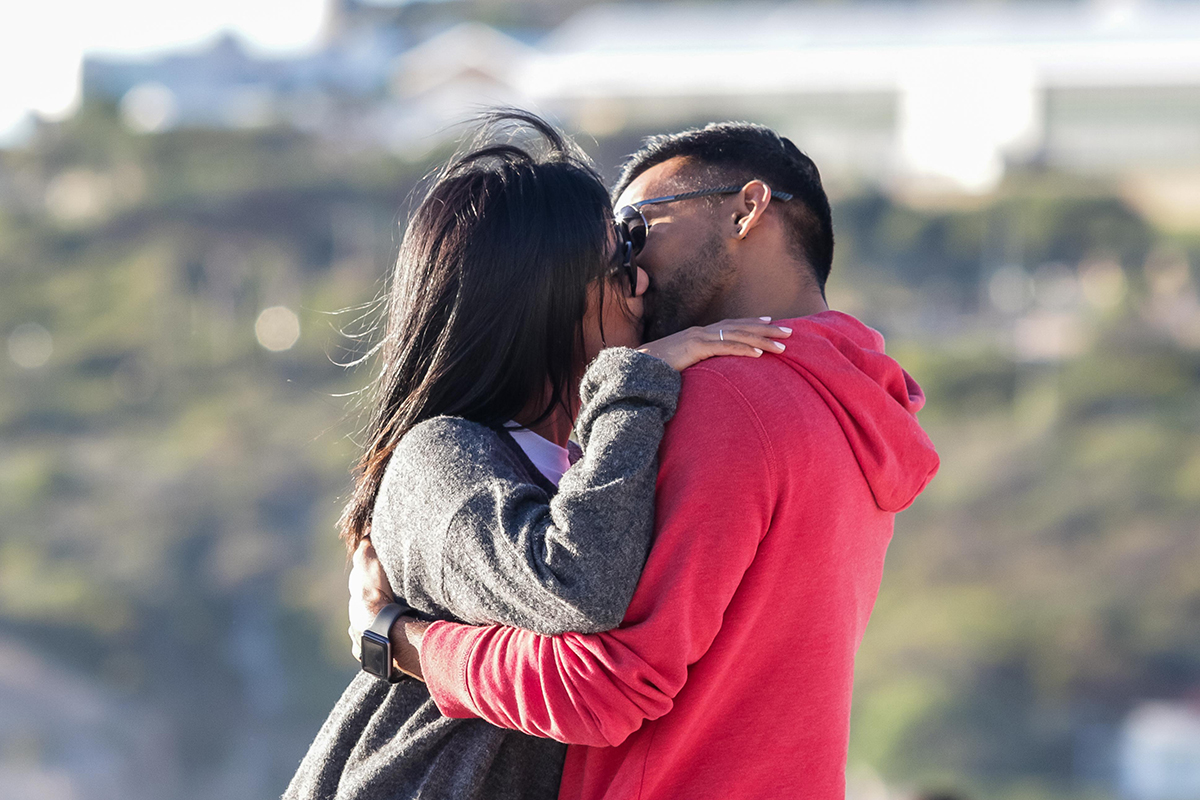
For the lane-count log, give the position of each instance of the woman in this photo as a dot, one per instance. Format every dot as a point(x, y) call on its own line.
point(510, 281)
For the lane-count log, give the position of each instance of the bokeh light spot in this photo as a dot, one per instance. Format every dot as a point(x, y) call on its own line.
point(30, 345)
point(77, 195)
point(277, 328)
point(1103, 283)
point(149, 108)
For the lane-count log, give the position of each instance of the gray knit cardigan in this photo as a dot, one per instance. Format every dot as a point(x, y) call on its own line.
point(467, 530)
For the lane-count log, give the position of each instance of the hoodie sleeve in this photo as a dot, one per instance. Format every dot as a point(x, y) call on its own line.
point(716, 492)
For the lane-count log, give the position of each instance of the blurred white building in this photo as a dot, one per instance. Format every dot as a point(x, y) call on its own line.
point(942, 92)
point(925, 95)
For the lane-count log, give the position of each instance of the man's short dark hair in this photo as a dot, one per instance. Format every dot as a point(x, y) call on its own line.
point(733, 152)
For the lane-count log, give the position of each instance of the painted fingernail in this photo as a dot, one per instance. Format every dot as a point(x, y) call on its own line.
point(780, 346)
point(785, 330)
point(757, 352)
point(765, 319)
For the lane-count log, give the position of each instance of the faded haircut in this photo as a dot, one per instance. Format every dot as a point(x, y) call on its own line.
point(739, 152)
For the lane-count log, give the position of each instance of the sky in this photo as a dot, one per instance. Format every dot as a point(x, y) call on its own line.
point(42, 43)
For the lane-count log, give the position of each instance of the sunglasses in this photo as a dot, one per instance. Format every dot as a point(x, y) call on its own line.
point(631, 226)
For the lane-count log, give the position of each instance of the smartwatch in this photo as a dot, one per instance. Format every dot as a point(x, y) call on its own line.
point(376, 647)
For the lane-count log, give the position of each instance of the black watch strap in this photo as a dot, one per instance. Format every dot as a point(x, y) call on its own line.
point(384, 619)
point(375, 640)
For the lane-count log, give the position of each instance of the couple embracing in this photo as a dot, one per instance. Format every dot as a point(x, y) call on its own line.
point(669, 605)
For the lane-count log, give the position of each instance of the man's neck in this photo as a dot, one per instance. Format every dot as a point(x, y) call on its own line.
point(782, 294)
point(790, 308)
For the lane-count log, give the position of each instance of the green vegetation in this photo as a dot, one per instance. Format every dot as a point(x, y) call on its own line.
point(168, 486)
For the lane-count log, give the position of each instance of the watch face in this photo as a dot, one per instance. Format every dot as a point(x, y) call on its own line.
point(376, 655)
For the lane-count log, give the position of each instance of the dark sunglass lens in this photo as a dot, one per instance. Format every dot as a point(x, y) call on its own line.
point(630, 270)
point(635, 224)
point(637, 235)
point(623, 241)
point(623, 257)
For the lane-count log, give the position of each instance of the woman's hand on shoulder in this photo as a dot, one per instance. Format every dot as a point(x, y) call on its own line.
point(731, 337)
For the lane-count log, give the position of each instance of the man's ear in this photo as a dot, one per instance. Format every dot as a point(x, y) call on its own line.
point(751, 206)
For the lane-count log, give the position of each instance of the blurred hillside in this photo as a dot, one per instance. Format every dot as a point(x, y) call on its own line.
point(171, 461)
point(169, 485)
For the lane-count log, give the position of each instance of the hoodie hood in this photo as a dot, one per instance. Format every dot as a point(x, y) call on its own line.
point(873, 399)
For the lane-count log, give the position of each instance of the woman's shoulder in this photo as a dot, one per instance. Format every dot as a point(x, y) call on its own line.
point(440, 432)
point(436, 468)
point(448, 449)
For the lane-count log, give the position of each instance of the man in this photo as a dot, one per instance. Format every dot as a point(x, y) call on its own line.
point(779, 479)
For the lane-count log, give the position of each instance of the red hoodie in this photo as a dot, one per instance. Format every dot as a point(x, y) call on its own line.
point(731, 675)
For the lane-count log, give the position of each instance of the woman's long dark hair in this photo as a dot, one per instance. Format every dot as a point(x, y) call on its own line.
point(489, 292)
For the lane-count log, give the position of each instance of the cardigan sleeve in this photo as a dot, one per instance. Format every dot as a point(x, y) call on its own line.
point(491, 547)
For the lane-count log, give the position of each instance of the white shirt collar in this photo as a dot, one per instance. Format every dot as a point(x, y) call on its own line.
point(550, 459)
